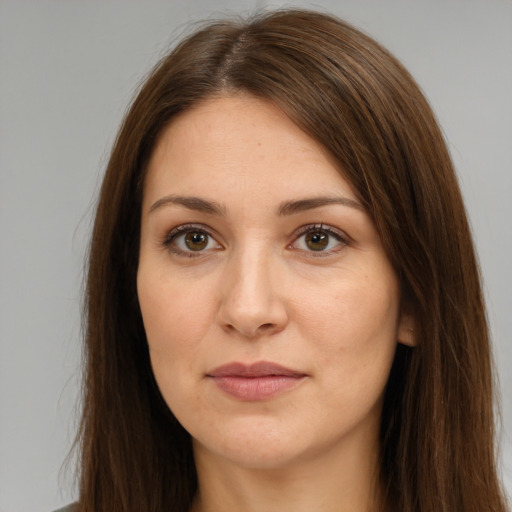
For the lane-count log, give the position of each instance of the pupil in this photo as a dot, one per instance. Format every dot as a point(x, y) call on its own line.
point(317, 240)
point(196, 241)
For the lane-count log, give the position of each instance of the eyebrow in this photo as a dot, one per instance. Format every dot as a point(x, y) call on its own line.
point(190, 202)
point(286, 208)
point(302, 205)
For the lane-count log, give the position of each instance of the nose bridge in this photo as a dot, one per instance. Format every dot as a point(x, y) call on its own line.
point(251, 303)
point(253, 280)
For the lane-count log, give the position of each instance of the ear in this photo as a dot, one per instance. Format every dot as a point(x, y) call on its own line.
point(406, 329)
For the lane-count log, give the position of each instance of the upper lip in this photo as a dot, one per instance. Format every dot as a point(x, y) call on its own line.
point(259, 369)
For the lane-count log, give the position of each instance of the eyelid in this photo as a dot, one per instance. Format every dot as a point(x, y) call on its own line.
point(182, 229)
point(339, 235)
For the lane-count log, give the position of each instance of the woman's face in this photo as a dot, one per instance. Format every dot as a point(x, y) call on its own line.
point(271, 310)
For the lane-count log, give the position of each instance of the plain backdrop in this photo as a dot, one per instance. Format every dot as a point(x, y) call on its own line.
point(67, 72)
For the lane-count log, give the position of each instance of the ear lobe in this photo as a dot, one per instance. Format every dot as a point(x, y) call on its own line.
point(406, 334)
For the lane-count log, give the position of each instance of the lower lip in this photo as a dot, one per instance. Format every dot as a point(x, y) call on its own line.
point(256, 388)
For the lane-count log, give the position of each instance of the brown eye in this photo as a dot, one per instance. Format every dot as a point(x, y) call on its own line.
point(196, 240)
point(320, 240)
point(317, 240)
point(190, 241)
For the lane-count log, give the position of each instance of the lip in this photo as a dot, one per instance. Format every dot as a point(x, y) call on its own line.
point(257, 381)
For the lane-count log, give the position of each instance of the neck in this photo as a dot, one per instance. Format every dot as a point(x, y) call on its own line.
point(347, 482)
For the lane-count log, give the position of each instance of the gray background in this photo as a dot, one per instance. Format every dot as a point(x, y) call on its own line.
point(67, 72)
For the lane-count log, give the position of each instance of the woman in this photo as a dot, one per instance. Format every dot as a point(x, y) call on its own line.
point(283, 303)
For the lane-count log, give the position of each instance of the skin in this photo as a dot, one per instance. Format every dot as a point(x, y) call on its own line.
point(257, 291)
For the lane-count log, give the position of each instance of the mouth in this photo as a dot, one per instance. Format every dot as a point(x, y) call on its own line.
point(254, 382)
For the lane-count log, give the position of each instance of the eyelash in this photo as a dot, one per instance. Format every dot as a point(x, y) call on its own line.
point(171, 237)
point(169, 241)
point(339, 236)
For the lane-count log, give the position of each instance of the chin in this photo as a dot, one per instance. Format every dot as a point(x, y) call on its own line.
point(260, 442)
point(255, 456)
point(253, 448)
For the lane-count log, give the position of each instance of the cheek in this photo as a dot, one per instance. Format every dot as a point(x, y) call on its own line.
point(352, 327)
point(173, 311)
point(175, 323)
point(354, 338)
point(356, 314)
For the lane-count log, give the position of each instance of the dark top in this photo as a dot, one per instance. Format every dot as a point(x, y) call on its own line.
point(68, 508)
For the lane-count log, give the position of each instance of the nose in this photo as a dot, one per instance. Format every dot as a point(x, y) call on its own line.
point(252, 302)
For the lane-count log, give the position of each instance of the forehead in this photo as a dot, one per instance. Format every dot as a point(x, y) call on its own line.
point(232, 144)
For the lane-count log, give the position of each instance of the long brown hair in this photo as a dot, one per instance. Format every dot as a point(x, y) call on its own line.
point(351, 95)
